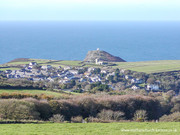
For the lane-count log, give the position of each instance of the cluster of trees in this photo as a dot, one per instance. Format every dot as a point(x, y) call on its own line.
point(98, 86)
point(21, 84)
point(94, 108)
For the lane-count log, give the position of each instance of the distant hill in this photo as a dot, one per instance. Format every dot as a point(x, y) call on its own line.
point(103, 56)
point(20, 60)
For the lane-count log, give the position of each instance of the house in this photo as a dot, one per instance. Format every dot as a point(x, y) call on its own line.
point(67, 68)
point(128, 77)
point(152, 87)
point(110, 74)
point(122, 71)
point(32, 64)
point(91, 69)
point(95, 79)
point(28, 68)
point(10, 76)
point(135, 87)
point(87, 74)
point(64, 81)
point(8, 71)
point(50, 79)
point(46, 67)
point(74, 72)
point(134, 80)
point(99, 62)
point(104, 71)
point(83, 80)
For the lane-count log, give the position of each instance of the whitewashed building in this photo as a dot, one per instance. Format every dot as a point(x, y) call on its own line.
point(152, 87)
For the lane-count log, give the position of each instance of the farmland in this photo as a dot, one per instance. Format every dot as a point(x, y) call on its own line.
point(150, 66)
point(33, 92)
point(146, 66)
point(130, 128)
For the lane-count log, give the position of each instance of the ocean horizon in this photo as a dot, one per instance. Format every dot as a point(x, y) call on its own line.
point(71, 40)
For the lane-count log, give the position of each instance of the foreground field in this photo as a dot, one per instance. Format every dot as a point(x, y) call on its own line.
point(91, 129)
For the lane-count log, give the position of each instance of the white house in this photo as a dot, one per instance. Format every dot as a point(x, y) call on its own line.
point(91, 69)
point(75, 72)
point(134, 87)
point(46, 67)
point(128, 77)
point(103, 71)
point(32, 64)
point(67, 67)
point(98, 62)
point(134, 80)
point(95, 79)
point(152, 87)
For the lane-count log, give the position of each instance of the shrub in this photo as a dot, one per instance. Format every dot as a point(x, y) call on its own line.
point(96, 120)
point(77, 119)
point(89, 106)
point(58, 118)
point(170, 118)
point(67, 108)
point(42, 107)
point(110, 115)
point(140, 115)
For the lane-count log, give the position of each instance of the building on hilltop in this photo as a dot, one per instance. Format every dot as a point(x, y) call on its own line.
point(99, 62)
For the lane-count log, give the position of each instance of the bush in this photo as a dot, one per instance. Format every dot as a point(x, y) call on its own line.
point(42, 107)
point(58, 118)
point(89, 106)
point(67, 108)
point(96, 120)
point(77, 119)
point(140, 115)
point(174, 117)
point(17, 110)
point(110, 115)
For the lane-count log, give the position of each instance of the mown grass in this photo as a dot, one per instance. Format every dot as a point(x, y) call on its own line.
point(131, 128)
point(150, 66)
point(33, 92)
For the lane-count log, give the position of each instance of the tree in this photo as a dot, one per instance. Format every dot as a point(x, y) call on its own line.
point(151, 80)
point(58, 118)
point(140, 115)
point(17, 110)
point(110, 78)
point(110, 115)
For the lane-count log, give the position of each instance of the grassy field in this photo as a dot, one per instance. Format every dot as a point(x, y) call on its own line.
point(146, 66)
point(150, 66)
point(4, 69)
point(91, 129)
point(33, 92)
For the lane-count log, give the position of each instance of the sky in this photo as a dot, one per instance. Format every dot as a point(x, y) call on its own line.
point(89, 9)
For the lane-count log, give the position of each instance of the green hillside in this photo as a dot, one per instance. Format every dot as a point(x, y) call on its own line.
point(150, 66)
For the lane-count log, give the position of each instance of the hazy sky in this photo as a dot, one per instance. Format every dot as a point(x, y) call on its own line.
point(89, 9)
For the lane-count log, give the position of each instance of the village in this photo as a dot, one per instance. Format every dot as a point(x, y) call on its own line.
point(116, 79)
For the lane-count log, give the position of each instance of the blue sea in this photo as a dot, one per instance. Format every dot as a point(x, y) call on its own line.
point(71, 40)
